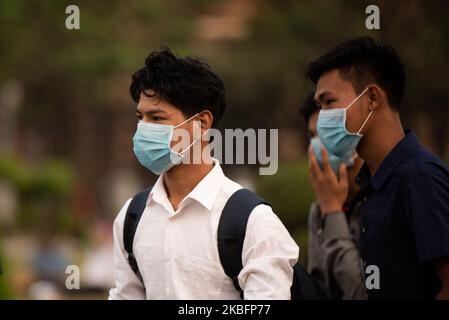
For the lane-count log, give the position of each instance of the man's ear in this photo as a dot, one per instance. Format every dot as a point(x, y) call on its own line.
point(206, 118)
point(375, 96)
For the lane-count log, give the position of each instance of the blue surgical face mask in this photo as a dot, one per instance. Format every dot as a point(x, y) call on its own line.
point(334, 161)
point(152, 146)
point(331, 127)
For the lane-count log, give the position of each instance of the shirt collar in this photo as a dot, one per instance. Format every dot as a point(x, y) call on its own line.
point(405, 148)
point(158, 192)
point(204, 192)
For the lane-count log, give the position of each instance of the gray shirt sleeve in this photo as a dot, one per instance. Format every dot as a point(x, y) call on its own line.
point(316, 264)
point(333, 253)
point(342, 256)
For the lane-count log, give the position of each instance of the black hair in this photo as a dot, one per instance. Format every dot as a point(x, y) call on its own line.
point(362, 61)
point(308, 107)
point(187, 83)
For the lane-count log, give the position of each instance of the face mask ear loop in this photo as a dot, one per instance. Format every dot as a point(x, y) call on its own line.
point(350, 105)
point(363, 125)
point(353, 101)
point(186, 121)
point(181, 152)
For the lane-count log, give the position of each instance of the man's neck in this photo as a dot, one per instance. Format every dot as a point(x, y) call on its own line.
point(182, 179)
point(378, 144)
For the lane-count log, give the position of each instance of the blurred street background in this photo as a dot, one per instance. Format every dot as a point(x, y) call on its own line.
point(66, 117)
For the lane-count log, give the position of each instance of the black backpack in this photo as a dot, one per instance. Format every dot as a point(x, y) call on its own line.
point(231, 234)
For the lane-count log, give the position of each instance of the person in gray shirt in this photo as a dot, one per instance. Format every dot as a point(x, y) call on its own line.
point(333, 256)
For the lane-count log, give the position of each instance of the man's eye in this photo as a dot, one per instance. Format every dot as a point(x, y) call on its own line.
point(156, 118)
point(330, 101)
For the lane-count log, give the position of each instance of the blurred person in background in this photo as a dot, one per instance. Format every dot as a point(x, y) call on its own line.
point(175, 245)
point(97, 263)
point(49, 264)
point(405, 210)
point(333, 256)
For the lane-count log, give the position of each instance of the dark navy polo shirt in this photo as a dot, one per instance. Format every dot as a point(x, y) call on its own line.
point(405, 221)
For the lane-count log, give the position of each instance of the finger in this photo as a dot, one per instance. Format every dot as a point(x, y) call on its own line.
point(343, 173)
point(313, 164)
point(325, 161)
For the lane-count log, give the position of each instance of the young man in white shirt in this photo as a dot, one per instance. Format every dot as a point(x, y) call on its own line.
point(175, 244)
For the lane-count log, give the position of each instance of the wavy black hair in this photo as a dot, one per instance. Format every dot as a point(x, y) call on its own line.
point(187, 83)
point(363, 60)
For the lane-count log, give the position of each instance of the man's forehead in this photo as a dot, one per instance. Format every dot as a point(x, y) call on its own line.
point(147, 104)
point(332, 76)
point(331, 82)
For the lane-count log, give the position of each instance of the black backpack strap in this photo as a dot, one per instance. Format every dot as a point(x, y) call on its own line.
point(232, 229)
point(132, 218)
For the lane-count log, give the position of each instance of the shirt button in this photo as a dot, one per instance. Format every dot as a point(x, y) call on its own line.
point(363, 229)
point(319, 231)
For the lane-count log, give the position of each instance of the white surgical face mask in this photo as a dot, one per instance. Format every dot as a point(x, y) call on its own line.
point(334, 161)
point(331, 128)
point(152, 146)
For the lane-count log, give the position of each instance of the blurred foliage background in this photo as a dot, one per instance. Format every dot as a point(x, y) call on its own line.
point(66, 118)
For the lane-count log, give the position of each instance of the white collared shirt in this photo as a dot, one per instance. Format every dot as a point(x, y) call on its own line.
point(177, 251)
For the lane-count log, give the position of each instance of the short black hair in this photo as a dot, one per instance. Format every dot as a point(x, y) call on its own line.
point(308, 107)
point(363, 60)
point(187, 83)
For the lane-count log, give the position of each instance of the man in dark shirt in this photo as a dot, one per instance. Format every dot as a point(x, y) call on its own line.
point(404, 239)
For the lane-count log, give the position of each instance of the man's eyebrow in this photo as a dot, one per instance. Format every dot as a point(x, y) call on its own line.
point(321, 96)
point(151, 112)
